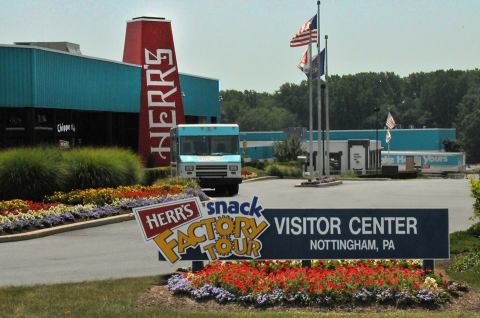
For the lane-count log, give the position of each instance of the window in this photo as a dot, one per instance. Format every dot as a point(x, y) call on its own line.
point(209, 145)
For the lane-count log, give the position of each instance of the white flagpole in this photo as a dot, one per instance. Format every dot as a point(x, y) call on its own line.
point(388, 146)
point(310, 111)
point(327, 111)
point(319, 100)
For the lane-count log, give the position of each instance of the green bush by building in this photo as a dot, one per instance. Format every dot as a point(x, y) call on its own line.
point(32, 173)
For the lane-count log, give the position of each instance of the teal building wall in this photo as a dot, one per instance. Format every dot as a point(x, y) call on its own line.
point(37, 77)
point(259, 144)
point(33, 77)
point(200, 96)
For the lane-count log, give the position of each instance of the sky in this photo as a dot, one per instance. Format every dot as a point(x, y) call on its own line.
point(245, 43)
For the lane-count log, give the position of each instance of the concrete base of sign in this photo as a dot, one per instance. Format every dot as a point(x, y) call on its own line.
point(318, 184)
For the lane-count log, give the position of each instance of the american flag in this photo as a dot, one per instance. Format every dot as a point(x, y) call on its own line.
point(306, 34)
point(388, 137)
point(390, 121)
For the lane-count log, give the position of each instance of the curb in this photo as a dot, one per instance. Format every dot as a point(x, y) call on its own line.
point(366, 179)
point(66, 228)
point(260, 179)
point(320, 185)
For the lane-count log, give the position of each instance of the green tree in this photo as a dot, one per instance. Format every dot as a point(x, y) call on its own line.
point(469, 124)
point(288, 150)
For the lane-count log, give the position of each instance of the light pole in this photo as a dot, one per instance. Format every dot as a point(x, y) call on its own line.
point(377, 163)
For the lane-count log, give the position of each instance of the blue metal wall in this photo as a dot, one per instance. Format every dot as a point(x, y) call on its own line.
point(263, 136)
point(42, 78)
point(200, 96)
point(34, 77)
point(15, 77)
point(428, 139)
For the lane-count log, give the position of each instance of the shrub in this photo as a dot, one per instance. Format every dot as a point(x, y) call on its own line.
point(282, 171)
point(153, 174)
point(471, 261)
point(474, 229)
point(134, 171)
point(30, 173)
point(288, 149)
point(274, 170)
point(255, 164)
point(475, 191)
point(101, 167)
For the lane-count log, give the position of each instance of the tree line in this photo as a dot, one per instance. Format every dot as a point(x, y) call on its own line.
point(440, 99)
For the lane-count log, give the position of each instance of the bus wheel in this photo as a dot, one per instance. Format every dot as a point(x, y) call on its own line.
point(233, 189)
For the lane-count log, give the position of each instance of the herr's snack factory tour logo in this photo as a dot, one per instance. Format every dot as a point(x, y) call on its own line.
point(221, 229)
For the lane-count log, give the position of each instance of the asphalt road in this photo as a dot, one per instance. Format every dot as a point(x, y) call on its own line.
point(118, 250)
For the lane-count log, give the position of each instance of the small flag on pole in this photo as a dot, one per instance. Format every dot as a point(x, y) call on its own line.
point(388, 137)
point(390, 121)
point(305, 67)
point(306, 34)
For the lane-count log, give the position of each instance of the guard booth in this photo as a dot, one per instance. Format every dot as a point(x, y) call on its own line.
point(361, 156)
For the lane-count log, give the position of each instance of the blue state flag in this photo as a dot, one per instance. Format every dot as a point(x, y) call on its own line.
point(304, 65)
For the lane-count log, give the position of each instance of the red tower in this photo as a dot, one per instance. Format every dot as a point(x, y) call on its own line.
point(149, 43)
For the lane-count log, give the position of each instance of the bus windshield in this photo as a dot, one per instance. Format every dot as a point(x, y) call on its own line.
point(209, 145)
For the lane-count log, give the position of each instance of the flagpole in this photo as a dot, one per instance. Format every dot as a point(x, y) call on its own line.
point(319, 98)
point(327, 109)
point(310, 110)
point(388, 145)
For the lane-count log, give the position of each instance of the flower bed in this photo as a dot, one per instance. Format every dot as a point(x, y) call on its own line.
point(247, 174)
point(325, 283)
point(80, 205)
point(109, 195)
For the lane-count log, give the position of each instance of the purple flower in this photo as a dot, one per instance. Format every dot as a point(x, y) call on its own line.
point(384, 295)
point(426, 296)
point(179, 284)
point(202, 292)
point(68, 217)
point(262, 300)
point(362, 295)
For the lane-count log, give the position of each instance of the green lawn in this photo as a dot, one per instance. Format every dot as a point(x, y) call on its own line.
point(472, 277)
point(117, 298)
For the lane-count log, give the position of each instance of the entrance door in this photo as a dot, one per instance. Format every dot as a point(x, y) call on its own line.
point(357, 159)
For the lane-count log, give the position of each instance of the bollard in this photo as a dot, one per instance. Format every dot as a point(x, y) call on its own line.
point(428, 265)
point(197, 266)
point(307, 263)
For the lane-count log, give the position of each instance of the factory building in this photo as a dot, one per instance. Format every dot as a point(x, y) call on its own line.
point(52, 94)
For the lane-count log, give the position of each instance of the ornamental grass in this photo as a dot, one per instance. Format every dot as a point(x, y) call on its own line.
point(324, 283)
point(101, 167)
point(30, 173)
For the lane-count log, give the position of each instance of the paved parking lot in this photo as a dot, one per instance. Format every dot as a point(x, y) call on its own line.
point(118, 250)
point(453, 194)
